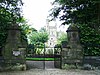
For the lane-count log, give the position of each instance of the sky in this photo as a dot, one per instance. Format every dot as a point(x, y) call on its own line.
point(36, 12)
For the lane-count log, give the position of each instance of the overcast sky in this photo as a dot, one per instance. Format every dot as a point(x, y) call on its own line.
point(36, 12)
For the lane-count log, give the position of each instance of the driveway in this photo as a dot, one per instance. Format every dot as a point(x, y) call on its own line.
point(37, 68)
point(40, 64)
point(51, 72)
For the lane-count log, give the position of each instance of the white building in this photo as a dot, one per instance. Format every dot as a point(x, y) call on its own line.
point(51, 28)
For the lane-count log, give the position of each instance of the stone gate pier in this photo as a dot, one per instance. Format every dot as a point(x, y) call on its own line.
point(14, 50)
point(72, 51)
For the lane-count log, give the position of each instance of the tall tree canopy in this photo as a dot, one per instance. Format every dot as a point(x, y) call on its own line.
point(86, 15)
point(10, 11)
point(77, 11)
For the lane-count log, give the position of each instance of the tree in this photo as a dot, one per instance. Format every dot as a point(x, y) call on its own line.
point(76, 11)
point(85, 14)
point(37, 39)
point(39, 36)
point(9, 12)
point(42, 29)
point(62, 37)
point(26, 32)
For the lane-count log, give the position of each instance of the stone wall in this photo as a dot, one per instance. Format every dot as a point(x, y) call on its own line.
point(73, 54)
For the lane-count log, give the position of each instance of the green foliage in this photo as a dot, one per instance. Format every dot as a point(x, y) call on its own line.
point(90, 38)
point(9, 13)
point(26, 32)
point(86, 15)
point(42, 29)
point(57, 46)
point(62, 37)
point(24, 28)
point(13, 7)
point(39, 37)
point(76, 11)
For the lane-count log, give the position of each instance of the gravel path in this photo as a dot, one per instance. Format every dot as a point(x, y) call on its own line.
point(36, 68)
point(40, 64)
point(50, 72)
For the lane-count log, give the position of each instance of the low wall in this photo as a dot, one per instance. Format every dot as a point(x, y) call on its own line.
point(92, 60)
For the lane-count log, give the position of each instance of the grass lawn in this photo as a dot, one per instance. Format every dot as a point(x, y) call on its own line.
point(40, 59)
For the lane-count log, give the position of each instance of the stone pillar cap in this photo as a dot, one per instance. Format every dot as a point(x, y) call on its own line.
point(72, 28)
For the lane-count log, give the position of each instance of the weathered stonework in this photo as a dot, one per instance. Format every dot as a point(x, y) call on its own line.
point(15, 48)
point(72, 52)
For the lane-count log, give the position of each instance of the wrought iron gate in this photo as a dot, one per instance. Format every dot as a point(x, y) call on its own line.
point(49, 57)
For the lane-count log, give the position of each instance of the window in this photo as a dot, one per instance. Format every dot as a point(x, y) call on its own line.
point(51, 38)
point(50, 43)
